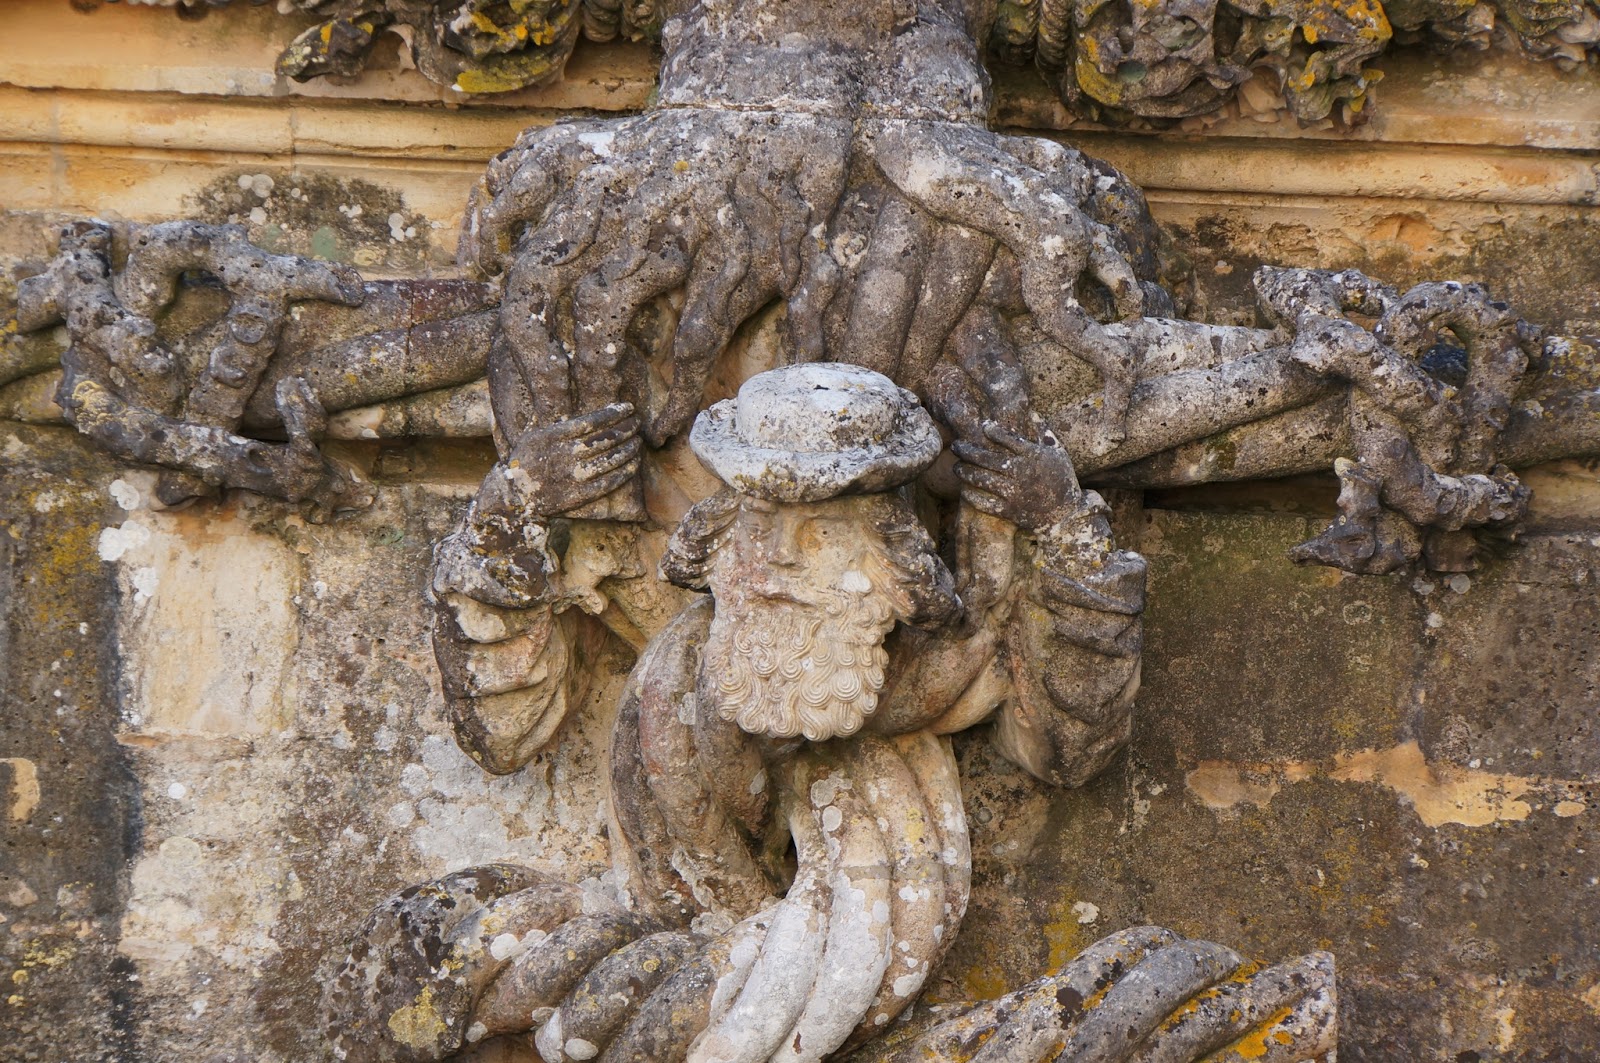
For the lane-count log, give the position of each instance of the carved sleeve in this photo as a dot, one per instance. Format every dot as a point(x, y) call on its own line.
point(504, 653)
point(1072, 649)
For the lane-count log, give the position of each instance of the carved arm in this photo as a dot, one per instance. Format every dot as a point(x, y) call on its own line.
point(1053, 636)
point(1072, 633)
point(506, 651)
point(1072, 650)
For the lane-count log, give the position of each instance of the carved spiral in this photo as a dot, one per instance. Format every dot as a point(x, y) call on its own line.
point(879, 890)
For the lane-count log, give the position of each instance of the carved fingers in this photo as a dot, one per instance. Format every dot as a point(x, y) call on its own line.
point(968, 177)
point(661, 239)
point(559, 467)
point(1030, 482)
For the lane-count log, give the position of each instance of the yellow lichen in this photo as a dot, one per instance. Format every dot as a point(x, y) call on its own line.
point(418, 1025)
point(1253, 1045)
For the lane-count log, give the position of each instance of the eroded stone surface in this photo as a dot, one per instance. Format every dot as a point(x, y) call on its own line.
point(185, 880)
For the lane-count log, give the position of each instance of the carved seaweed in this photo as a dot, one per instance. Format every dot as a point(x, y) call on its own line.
point(1116, 61)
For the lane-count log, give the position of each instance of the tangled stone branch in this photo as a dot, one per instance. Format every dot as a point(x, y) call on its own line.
point(1426, 467)
point(124, 387)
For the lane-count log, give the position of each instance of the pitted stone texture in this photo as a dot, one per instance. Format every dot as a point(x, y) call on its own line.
point(816, 431)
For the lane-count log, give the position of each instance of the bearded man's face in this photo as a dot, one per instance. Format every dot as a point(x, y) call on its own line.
point(804, 598)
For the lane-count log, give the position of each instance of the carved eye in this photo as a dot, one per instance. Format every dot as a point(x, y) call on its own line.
point(816, 533)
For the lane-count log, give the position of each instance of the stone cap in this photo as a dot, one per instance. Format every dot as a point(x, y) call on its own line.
point(803, 433)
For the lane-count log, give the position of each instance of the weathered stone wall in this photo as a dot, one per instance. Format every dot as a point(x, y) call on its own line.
point(221, 736)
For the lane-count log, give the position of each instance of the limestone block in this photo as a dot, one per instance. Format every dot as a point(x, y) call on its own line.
point(207, 630)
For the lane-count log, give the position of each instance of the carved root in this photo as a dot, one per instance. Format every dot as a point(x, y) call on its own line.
point(124, 387)
point(1138, 996)
point(892, 247)
point(1426, 465)
point(879, 890)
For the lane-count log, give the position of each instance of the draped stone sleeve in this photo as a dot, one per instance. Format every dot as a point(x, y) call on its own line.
point(505, 654)
point(1072, 650)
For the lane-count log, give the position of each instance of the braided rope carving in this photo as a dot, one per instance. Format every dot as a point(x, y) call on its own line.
point(879, 889)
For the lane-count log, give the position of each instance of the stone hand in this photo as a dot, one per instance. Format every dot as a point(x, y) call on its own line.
point(559, 467)
point(1030, 482)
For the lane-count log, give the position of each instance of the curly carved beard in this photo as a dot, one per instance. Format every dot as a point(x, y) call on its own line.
point(784, 668)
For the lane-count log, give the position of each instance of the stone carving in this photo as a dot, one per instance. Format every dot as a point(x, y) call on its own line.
point(1121, 62)
point(831, 615)
point(820, 175)
point(1426, 448)
point(124, 387)
point(1110, 61)
point(478, 46)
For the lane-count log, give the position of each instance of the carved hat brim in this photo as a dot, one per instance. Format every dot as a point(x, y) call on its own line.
point(807, 476)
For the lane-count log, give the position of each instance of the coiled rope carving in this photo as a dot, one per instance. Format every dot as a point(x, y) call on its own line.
point(879, 889)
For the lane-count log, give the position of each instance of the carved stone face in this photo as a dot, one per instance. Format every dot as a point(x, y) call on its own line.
point(805, 593)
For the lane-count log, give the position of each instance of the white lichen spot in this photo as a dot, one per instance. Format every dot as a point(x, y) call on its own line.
point(124, 494)
point(258, 216)
point(578, 1048)
point(1460, 583)
point(505, 946)
point(598, 895)
point(114, 542)
point(414, 780)
point(1087, 914)
point(743, 953)
point(832, 818)
point(476, 1032)
point(907, 984)
point(599, 143)
point(855, 582)
point(177, 791)
point(145, 580)
point(880, 911)
point(1435, 621)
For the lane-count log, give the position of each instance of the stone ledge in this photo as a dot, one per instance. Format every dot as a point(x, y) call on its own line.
point(1491, 99)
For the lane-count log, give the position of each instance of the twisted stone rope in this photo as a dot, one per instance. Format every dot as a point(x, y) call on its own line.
point(883, 870)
